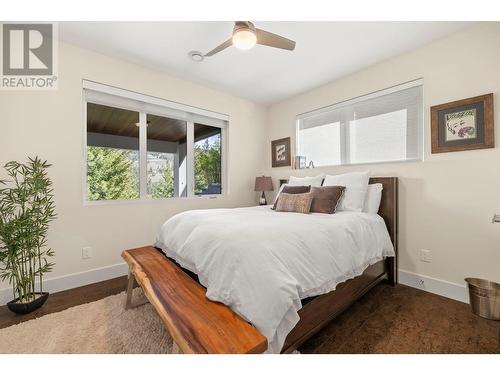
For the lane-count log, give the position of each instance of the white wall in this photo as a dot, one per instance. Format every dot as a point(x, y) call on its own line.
point(446, 201)
point(50, 125)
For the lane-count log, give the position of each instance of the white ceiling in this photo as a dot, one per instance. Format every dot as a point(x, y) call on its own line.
point(325, 51)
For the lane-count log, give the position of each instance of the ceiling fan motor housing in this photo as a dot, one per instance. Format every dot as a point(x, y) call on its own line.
point(243, 25)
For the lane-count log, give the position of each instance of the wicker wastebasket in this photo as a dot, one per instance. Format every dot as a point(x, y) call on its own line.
point(484, 298)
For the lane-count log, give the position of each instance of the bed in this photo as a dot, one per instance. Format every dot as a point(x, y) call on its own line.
point(287, 274)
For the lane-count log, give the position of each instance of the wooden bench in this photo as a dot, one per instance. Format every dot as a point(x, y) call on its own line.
point(196, 324)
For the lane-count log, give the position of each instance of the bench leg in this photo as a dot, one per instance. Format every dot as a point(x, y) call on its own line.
point(132, 283)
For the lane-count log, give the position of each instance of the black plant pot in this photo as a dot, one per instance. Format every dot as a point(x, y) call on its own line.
point(26, 308)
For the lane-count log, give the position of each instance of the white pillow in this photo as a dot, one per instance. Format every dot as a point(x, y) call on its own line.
point(373, 198)
point(356, 185)
point(306, 181)
point(301, 181)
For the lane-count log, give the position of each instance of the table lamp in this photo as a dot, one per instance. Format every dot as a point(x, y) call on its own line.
point(263, 184)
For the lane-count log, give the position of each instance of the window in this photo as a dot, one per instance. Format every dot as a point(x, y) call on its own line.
point(112, 153)
point(321, 143)
point(166, 157)
point(380, 127)
point(144, 147)
point(207, 160)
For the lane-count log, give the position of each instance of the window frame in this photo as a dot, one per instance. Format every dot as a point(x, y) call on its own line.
point(345, 156)
point(153, 105)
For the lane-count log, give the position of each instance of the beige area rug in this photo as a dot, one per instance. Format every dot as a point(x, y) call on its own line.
point(98, 327)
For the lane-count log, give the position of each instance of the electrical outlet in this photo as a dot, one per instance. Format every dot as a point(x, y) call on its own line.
point(425, 256)
point(86, 252)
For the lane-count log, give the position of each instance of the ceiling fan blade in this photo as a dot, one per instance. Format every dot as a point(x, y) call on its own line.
point(219, 48)
point(273, 40)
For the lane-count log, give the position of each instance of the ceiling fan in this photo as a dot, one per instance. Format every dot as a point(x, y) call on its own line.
point(245, 36)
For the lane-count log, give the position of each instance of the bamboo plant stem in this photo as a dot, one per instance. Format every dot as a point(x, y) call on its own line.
point(26, 209)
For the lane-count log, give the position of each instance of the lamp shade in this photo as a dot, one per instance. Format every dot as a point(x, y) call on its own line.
point(264, 184)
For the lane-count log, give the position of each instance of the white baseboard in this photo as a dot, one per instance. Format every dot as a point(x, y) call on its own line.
point(429, 284)
point(73, 280)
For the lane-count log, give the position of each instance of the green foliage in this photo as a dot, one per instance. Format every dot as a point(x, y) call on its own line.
point(110, 174)
point(165, 187)
point(26, 209)
point(207, 165)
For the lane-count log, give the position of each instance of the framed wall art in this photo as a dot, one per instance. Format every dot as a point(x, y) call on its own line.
point(463, 125)
point(280, 152)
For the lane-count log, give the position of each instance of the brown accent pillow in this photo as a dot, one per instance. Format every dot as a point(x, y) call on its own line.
point(326, 198)
point(300, 203)
point(287, 189)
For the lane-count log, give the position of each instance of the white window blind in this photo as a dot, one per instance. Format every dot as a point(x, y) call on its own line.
point(380, 127)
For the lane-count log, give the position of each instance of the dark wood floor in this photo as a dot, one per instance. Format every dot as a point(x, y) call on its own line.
point(386, 320)
point(406, 320)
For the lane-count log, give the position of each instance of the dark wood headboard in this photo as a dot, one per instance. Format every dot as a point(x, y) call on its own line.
point(389, 212)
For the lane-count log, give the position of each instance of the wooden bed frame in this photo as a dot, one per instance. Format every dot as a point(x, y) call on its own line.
point(315, 314)
point(199, 325)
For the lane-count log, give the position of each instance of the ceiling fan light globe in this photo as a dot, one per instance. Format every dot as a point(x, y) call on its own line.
point(244, 39)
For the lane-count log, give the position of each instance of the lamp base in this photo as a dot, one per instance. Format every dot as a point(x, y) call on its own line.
point(262, 200)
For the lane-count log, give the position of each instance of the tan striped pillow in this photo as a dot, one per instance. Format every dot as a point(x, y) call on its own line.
point(291, 190)
point(300, 203)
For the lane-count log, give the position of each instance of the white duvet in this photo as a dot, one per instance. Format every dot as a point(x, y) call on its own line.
point(261, 263)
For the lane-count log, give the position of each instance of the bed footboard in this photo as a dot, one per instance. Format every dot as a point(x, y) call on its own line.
point(322, 309)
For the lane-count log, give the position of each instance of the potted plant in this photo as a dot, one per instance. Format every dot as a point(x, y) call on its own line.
point(26, 209)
